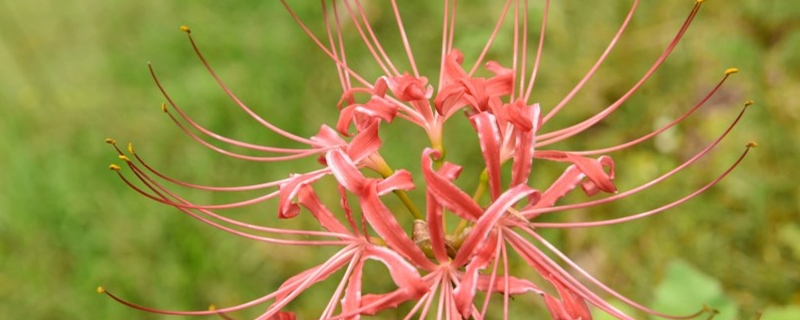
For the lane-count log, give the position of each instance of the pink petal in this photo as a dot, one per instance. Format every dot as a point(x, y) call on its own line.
point(527, 119)
point(399, 180)
point(410, 285)
point(345, 171)
point(446, 193)
point(573, 304)
point(303, 280)
point(453, 71)
point(408, 88)
point(352, 296)
point(290, 189)
point(327, 138)
point(436, 228)
point(282, 315)
point(503, 81)
point(465, 292)
point(488, 221)
point(515, 285)
point(449, 99)
point(563, 185)
point(365, 143)
point(308, 198)
point(382, 220)
point(485, 125)
point(593, 169)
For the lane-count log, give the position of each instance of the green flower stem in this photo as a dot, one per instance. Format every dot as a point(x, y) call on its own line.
point(483, 183)
point(385, 171)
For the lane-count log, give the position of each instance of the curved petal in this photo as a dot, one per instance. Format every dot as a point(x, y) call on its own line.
point(308, 198)
point(399, 180)
point(465, 292)
point(446, 193)
point(289, 190)
point(593, 169)
point(527, 119)
point(488, 221)
point(409, 88)
point(382, 220)
point(485, 125)
point(365, 143)
point(345, 171)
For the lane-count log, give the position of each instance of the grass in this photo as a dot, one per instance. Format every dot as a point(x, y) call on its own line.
point(74, 73)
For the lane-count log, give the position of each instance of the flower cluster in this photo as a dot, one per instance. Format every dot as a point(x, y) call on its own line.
point(453, 261)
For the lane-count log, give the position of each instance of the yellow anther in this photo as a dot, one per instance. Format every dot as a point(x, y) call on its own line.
point(130, 148)
point(114, 167)
point(212, 307)
point(111, 141)
point(731, 71)
point(186, 29)
point(700, 1)
point(101, 290)
point(124, 158)
point(164, 107)
point(752, 144)
point(749, 103)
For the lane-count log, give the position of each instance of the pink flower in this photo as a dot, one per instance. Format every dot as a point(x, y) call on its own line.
point(437, 269)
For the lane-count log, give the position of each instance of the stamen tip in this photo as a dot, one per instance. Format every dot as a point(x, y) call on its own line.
point(212, 307)
point(749, 103)
point(124, 158)
point(163, 107)
point(101, 290)
point(700, 1)
point(730, 70)
point(130, 148)
point(111, 141)
point(115, 167)
point(751, 144)
point(186, 29)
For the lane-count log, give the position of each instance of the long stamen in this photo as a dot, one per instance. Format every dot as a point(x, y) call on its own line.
point(297, 152)
point(594, 68)
point(539, 50)
point(647, 213)
point(665, 127)
point(203, 129)
point(103, 290)
point(552, 137)
point(339, 54)
point(236, 99)
point(404, 37)
point(325, 49)
point(489, 42)
point(600, 284)
point(535, 212)
point(259, 186)
point(371, 42)
point(162, 195)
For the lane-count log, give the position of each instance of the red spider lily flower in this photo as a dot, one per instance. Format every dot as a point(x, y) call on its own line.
point(439, 270)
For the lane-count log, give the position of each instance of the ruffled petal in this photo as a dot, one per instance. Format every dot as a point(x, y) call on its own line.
point(365, 143)
point(446, 193)
point(465, 292)
point(308, 198)
point(485, 125)
point(488, 220)
point(409, 88)
point(594, 169)
point(289, 190)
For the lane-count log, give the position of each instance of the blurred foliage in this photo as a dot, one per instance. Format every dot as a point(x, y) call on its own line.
point(74, 72)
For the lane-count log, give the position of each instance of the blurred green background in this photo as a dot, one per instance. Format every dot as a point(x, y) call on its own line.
point(74, 73)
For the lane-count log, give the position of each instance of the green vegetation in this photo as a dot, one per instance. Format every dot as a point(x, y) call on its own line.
point(74, 73)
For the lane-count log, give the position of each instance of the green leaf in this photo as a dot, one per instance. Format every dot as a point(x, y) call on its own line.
point(782, 313)
point(684, 290)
